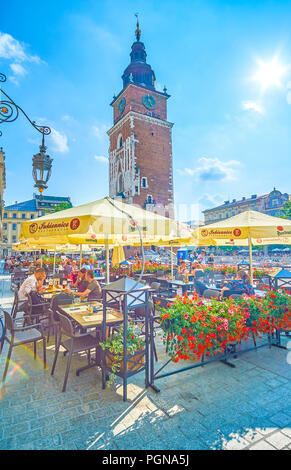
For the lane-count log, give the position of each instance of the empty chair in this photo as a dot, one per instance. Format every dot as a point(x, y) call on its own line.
point(155, 285)
point(74, 344)
point(60, 299)
point(17, 336)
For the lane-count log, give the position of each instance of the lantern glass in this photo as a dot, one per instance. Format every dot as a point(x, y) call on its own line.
point(41, 164)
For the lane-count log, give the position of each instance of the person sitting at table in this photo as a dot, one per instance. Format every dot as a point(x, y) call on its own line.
point(81, 282)
point(240, 285)
point(182, 268)
point(33, 283)
point(86, 264)
point(93, 290)
point(199, 286)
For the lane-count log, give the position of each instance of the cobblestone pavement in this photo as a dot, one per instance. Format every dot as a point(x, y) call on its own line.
point(214, 407)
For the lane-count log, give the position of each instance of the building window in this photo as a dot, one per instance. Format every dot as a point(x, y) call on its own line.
point(5, 215)
point(233, 213)
point(136, 190)
point(226, 215)
point(13, 238)
point(23, 216)
point(144, 182)
point(14, 226)
point(220, 216)
point(149, 199)
point(119, 141)
point(14, 216)
point(32, 216)
point(120, 183)
point(4, 226)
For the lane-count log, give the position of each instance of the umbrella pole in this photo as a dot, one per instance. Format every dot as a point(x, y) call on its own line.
point(41, 260)
point(107, 263)
point(80, 256)
point(54, 262)
point(251, 258)
point(172, 264)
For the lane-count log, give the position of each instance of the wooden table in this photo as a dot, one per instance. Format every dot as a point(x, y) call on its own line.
point(80, 314)
point(49, 293)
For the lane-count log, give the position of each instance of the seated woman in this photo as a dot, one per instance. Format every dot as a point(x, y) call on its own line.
point(81, 283)
point(241, 285)
point(93, 290)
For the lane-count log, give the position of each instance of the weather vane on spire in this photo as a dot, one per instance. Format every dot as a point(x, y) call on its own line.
point(137, 31)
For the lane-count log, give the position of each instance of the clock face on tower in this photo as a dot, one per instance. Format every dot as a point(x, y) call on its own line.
point(149, 101)
point(121, 105)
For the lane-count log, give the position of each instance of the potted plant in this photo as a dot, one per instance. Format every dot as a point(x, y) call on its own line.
point(113, 348)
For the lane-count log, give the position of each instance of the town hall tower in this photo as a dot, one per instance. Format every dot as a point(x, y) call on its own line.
point(140, 153)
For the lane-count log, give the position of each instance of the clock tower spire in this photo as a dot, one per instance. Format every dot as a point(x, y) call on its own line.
point(140, 154)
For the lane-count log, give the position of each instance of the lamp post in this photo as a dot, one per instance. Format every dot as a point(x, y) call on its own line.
point(42, 163)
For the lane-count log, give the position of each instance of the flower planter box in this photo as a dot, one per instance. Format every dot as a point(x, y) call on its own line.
point(135, 363)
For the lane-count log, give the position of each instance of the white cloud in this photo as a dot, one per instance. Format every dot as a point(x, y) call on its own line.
point(18, 69)
point(100, 131)
point(13, 50)
point(101, 158)
point(213, 169)
point(10, 48)
point(59, 141)
point(252, 106)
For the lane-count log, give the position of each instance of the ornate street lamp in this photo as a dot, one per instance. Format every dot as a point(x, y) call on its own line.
point(41, 167)
point(41, 163)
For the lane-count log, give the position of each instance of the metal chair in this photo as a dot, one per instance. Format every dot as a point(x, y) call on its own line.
point(75, 344)
point(59, 299)
point(19, 336)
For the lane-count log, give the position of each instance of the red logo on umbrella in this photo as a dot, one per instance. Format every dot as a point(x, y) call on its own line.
point(33, 228)
point(74, 224)
point(280, 228)
point(237, 232)
point(93, 236)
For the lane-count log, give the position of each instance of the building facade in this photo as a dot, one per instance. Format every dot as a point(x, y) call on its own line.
point(16, 213)
point(140, 153)
point(270, 204)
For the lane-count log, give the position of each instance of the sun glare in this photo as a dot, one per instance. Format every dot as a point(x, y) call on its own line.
point(270, 74)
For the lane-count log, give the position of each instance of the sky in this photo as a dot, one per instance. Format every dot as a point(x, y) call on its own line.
point(226, 65)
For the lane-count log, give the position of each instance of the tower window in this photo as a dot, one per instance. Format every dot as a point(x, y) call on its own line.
point(144, 182)
point(136, 190)
point(119, 141)
point(120, 183)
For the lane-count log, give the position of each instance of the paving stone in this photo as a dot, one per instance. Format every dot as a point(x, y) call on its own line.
point(261, 445)
point(278, 440)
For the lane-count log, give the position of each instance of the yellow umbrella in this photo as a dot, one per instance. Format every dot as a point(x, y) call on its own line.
point(105, 222)
point(117, 256)
point(243, 228)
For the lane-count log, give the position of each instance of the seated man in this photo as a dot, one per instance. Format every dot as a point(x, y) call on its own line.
point(199, 286)
point(93, 290)
point(81, 282)
point(33, 283)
